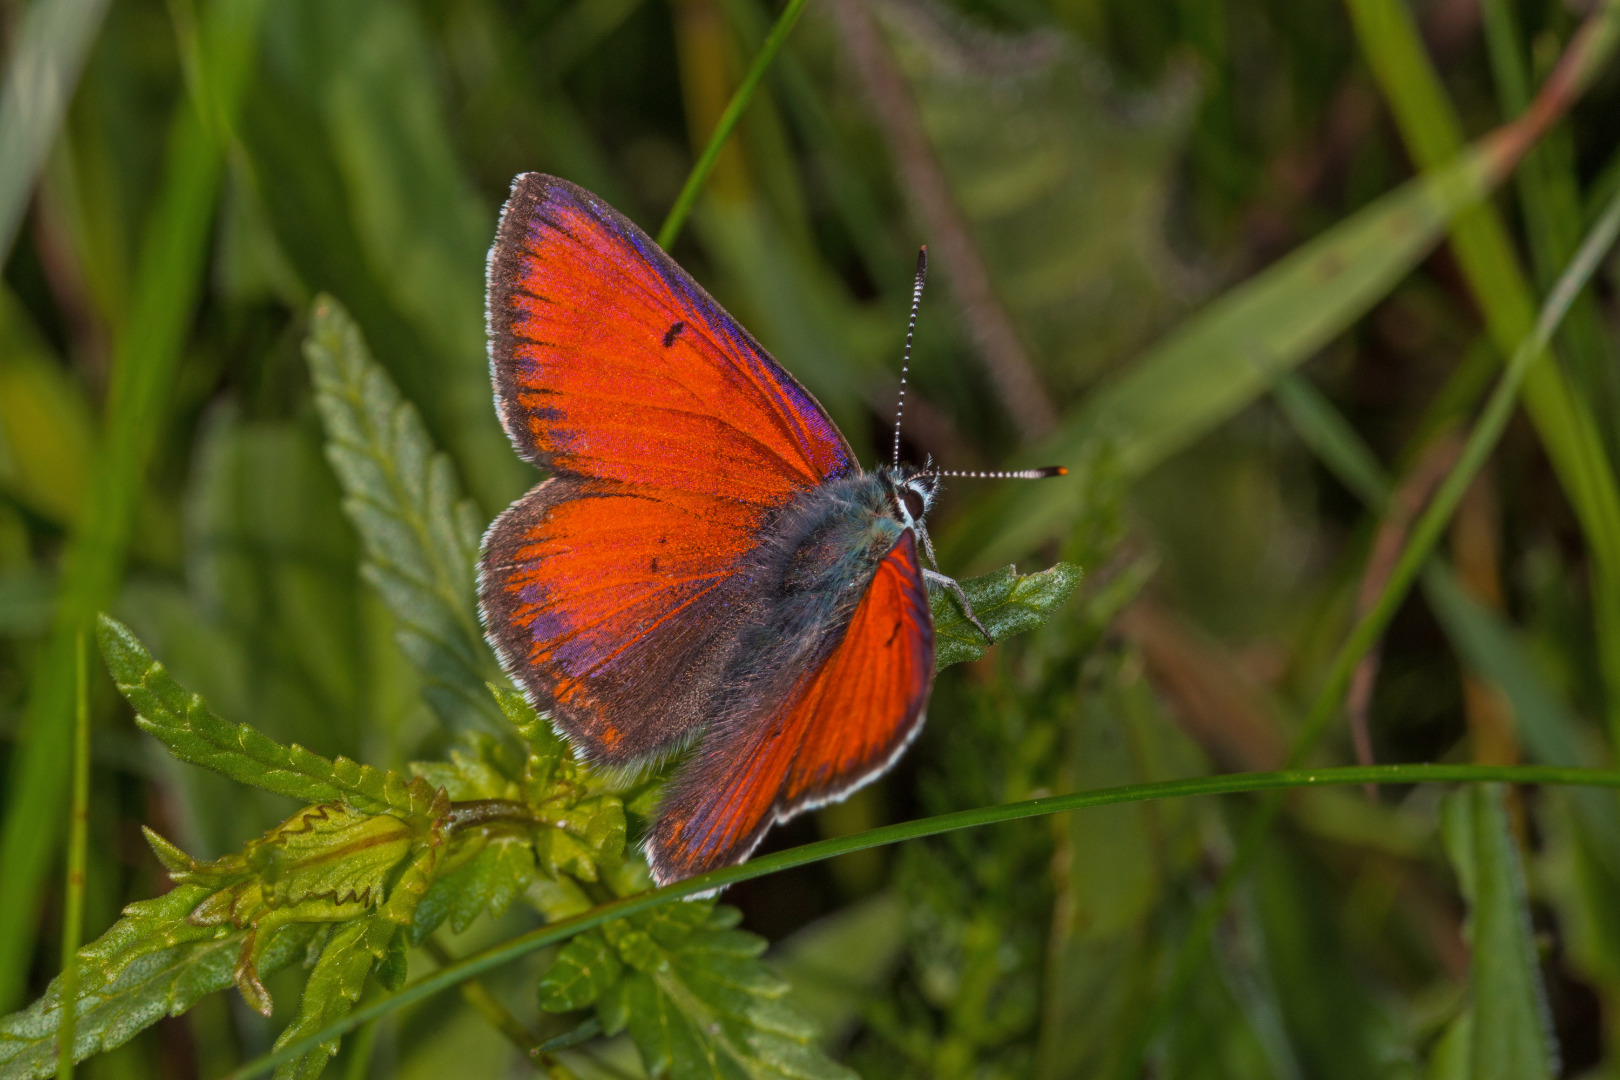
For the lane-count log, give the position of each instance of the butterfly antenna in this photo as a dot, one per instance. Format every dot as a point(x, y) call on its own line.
point(1019, 474)
point(905, 358)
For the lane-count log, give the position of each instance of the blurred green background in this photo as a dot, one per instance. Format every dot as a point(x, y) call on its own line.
point(1108, 188)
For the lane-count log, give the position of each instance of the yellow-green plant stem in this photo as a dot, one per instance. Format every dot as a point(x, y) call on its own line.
point(78, 845)
point(728, 123)
point(563, 929)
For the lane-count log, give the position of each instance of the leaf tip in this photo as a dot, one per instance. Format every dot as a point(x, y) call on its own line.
point(123, 652)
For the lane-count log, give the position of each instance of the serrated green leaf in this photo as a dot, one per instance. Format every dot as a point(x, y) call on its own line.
point(330, 850)
point(547, 750)
point(495, 872)
point(394, 967)
point(335, 984)
point(1005, 601)
point(584, 970)
point(420, 534)
point(152, 963)
point(481, 768)
point(495, 877)
point(192, 732)
point(1511, 1035)
point(691, 989)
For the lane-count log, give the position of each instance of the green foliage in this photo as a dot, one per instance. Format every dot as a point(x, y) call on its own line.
point(1067, 198)
point(162, 303)
point(420, 533)
point(335, 984)
point(1089, 172)
point(692, 992)
point(154, 962)
point(1229, 354)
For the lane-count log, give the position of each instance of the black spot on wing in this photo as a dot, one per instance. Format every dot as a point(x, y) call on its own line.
point(673, 332)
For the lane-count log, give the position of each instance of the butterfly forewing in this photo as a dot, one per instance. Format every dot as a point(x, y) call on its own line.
point(612, 592)
point(611, 362)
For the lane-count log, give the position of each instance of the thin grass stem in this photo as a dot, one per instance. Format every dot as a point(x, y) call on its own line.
point(78, 845)
point(738, 105)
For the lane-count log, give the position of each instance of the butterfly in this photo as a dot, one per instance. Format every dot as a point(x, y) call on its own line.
point(707, 568)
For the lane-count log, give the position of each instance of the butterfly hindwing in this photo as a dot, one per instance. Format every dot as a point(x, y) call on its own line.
point(842, 725)
point(613, 590)
point(613, 620)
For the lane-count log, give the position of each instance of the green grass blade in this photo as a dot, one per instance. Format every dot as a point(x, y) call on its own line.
point(1510, 1037)
point(729, 119)
point(168, 280)
point(1483, 640)
point(46, 428)
point(564, 929)
point(1561, 414)
point(1332, 439)
point(1414, 553)
point(73, 890)
point(47, 54)
point(1232, 351)
point(1227, 355)
point(1550, 195)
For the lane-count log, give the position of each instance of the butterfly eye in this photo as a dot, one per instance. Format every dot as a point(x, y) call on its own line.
point(913, 501)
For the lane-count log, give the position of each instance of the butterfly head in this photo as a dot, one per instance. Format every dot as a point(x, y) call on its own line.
point(911, 492)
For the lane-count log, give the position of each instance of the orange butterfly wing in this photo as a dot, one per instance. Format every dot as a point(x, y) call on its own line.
point(843, 725)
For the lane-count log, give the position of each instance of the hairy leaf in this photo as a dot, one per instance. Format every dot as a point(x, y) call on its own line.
point(692, 992)
point(1005, 601)
point(496, 873)
point(182, 721)
point(334, 986)
point(565, 823)
point(420, 534)
point(152, 963)
point(587, 968)
point(1510, 1034)
point(547, 750)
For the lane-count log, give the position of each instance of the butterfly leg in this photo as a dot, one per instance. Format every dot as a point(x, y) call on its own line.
point(950, 583)
point(955, 588)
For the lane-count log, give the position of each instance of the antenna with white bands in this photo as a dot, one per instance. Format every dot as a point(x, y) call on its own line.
point(911, 328)
point(1018, 474)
